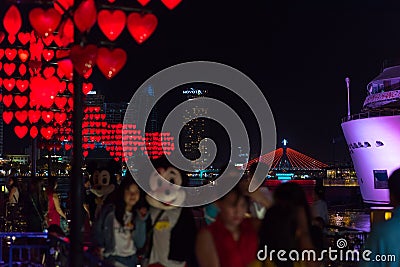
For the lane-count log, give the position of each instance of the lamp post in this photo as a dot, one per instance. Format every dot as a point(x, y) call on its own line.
point(348, 96)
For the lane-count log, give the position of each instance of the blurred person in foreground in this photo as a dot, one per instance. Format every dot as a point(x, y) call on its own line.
point(384, 239)
point(232, 239)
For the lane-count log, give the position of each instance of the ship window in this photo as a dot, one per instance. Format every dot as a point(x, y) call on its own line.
point(378, 143)
point(366, 144)
point(360, 144)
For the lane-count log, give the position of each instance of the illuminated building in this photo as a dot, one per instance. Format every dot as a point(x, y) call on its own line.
point(373, 136)
point(195, 130)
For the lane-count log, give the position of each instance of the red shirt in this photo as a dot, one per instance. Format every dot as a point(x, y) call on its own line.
point(238, 253)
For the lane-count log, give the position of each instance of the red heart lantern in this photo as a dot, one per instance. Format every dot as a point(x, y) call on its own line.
point(60, 102)
point(1, 53)
point(66, 34)
point(22, 85)
point(24, 37)
point(11, 54)
point(67, 146)
point(43, 91)
point(12, 21)
point(88, 73)
point(86, 88)
point(44, 21)
point(48, 54)
point(2, 35)
point(8, 116)
point(171, 4)
point(110, 62)
point(66, 68)
point(9, 84)
point(47, 116)
point(9, 68)
point(60, 118)
point(23, 55)
point(48, 72)
point(143, 2)
point(111, 23)
point(85, 15)
point(33, 132)
point(83, 58)
point(71, 88)
point(47, 132)
point(7, 100)
point(65, 5)
point(85, 153)
point(71, 103)
point(21, 116)
point(141, 27)
point(22, 69)
point(34, 116)
point(21, 101)
point(21, 131)
point(48, 40)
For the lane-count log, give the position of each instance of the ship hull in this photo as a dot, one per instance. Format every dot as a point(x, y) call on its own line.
point(374, 145)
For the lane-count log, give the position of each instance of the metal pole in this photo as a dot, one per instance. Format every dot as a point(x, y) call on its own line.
point(34, 158)
point(348, 96)
point(76, 251)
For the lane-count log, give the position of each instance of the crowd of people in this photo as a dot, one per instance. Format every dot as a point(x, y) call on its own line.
point(126, 227)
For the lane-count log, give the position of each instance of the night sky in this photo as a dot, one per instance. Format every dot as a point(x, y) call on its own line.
point(297, 52)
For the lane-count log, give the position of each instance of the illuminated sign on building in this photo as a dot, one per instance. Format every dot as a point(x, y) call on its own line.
point(192, 91)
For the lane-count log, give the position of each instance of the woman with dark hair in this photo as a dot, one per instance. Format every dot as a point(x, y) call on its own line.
point(121, 230)
point(35, 206)
point(54, 207)
point(287, 225)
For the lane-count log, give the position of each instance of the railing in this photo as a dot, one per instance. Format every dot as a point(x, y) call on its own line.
point(372, 114)
point(40, 249)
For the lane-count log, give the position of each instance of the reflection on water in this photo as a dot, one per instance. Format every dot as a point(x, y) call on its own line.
point(359, 220)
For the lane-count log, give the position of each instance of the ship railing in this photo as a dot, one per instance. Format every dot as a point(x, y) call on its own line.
point(372, 114)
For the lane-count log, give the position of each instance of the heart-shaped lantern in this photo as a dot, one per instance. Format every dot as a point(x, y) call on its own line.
point(22, 85)
point(110, 62)
point(12, 22)
point(47, 132)
point(83, 58)
point(43, 91)
point(21, 131)
point(24, 37)
point(66, 34)
point(66, 69)
point(47, 116)
point(7, 100)
point(143, 2)
point(44, 21)
point(9, 68)
point(85, 15)
point(171, 4)
point(11, 53)
point(21, 116)
point(34, 116)
point(33, 132)
point(21, 100)
point(141, 27)
point(8, 116)
point(23, 55)
point(111, 23)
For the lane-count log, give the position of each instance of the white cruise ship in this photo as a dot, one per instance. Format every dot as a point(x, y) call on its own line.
point(373, 136)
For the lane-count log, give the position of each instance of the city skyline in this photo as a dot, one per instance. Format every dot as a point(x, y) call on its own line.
point(299, 65)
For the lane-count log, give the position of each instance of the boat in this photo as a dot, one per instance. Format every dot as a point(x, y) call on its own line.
point(373, 135)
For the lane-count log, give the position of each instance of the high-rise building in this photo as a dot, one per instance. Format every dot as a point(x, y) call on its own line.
point(146, 101)
point(115, 112)
point(195, 130)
